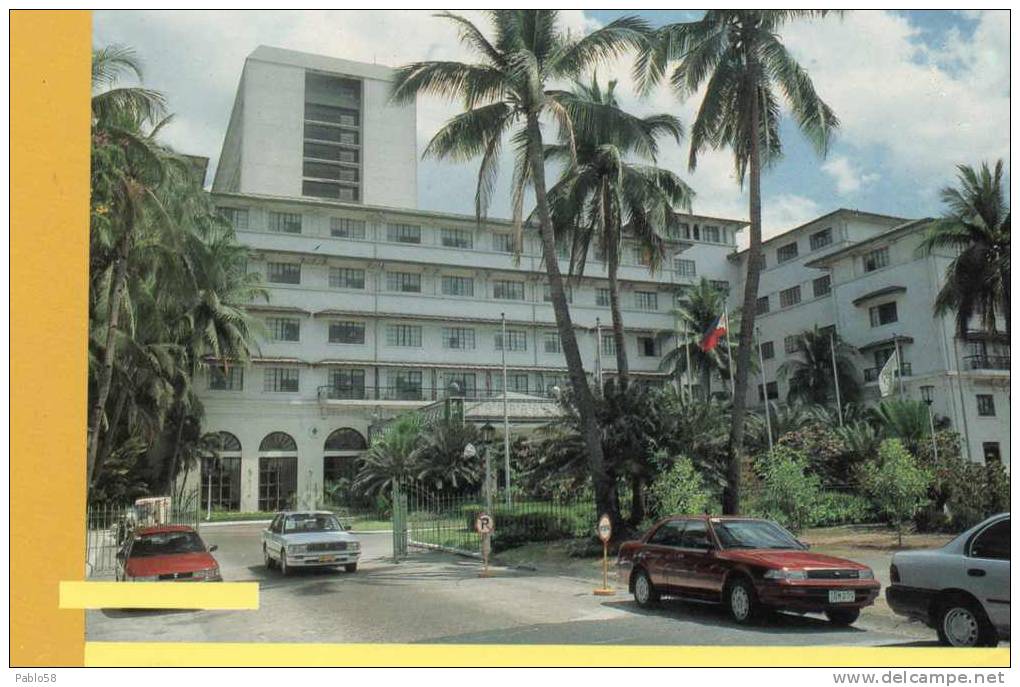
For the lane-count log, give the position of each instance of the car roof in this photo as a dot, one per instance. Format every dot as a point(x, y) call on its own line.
point(306, 512)
point(164, 529)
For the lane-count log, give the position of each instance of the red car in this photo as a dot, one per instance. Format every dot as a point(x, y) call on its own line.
point(167, 553)
point(748, 565)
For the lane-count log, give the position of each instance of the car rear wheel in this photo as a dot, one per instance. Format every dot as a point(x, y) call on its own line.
point(284, 568)
point(645, 592)
point(742, 602)
point(961, 623)
point(269, 559)
point(843, 616)
point(351, 567)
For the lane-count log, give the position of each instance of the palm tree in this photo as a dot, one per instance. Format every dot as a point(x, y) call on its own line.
point(976, 228)
point(604, 194)
point(697, 310)
point(506, 93)
point(392, 458)
point(441, 455)
point(809, 373)
point(903, 419)
point(738, 57)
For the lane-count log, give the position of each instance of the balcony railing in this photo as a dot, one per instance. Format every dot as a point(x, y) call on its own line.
point(871, 373)
point(986, 362)
point(404, 393)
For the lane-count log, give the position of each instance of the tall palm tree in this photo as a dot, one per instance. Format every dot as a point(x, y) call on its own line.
point(976, 228)
point(739, 59)
point(809, 372)
point(698, 309)
point(392, 458)
point(605, 195)
point(507, 93)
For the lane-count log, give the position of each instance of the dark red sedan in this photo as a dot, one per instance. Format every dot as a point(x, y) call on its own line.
point(748, 565)
point(167, 553)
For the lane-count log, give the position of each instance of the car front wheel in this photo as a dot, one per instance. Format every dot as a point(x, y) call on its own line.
point(351, 567)
point(268, 558)
point(843, 616)
point(644, 592)
point(284, 568)
point(742, 602)
point(961, 623)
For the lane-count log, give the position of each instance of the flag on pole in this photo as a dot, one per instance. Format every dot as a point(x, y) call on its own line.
point(887, 377)
point(715, 332)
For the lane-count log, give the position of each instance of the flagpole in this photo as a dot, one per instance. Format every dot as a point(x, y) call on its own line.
point(598, 354)
point(899, 362)
point(764, 389)
point(729, 354)
point(835, 376)
point(679, 383)
point(506, 415)
point(687, 351)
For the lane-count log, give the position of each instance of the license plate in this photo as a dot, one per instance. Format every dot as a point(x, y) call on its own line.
point(839, 596)
point(328, 559)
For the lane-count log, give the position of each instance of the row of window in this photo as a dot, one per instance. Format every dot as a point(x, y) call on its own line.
point(789, 251)
point(822, 286)
point(332, 143)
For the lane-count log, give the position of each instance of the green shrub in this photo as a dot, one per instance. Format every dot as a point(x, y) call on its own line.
point(842, 508)
point(524, 528)
point(677, 490)
point(787, 493)
point(896, 483)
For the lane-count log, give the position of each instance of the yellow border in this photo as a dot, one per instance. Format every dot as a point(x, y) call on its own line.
point(50, 57)
point(194, 595)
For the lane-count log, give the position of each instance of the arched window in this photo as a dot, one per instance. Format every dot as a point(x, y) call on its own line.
point(221, 472)
point(222, 442)
point(278, 465)
point(278, 441)
point(345, 439)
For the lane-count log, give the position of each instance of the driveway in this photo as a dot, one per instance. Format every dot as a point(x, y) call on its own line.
point(437, 597)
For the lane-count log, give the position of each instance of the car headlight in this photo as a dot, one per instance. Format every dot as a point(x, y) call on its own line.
point(867, 574)
point(355, 546)
point(785, 574)
point(207, 574)
point(297, 548)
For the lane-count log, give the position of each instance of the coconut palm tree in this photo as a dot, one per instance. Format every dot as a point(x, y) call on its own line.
point(605, 195)
point(506, 93)
point(441, 455)
point(392, 458)
point(737, 56)
point(975, 228)
point(698, 309)
point(809, 372)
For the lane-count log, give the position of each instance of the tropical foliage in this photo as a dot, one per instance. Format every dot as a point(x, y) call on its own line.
point(809, 374)
point(896, 483)
point(789, 493)
point(697, 310)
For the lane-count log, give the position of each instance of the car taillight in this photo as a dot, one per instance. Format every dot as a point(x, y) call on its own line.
point(894, 574)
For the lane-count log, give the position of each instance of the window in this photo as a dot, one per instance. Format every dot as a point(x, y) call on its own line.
point(992, 542)
point(789, 297)
point(458, 286)
point(883, 314)
point(986, 405)
point(346, 278)
point(285, 222)
point(720, 285)
point(551, 342)
point(238, 217)
point(320, 132)
point(347, 384)
point(787, 252)
point(876, 259)
point(790, 344)
point(229, 379)
point(991, 452)
point(668, 534)
point(695, 536)
point(602, 298)
point(330, 152)
point(685, 268)
point(279, 379)
point(503, 243)
point(327, 170)
point(773, 391)
point(646, 300)
point(283, 272)
point(547, 294)
point(821, 239)
point(465, 380)
point(405, 282)
point(403, 233)
point(516, 340)
point(406, 335)
point(407, 384)
point(323, 189)
point(347, 332)
point(608, 344)
point(506, 290)
point(710, 233)
point(515, 382)
point(642, 256)
point(330, 114)
point(822, 286)
point(763, 305)
point(346, 228)
point(461, 338)
point(768, 350)
point(647, 347)
point(284, 328)
point(457, 238)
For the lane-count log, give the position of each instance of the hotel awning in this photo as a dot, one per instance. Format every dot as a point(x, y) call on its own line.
point(888, 290)
point(278, 308)
point(889, 341)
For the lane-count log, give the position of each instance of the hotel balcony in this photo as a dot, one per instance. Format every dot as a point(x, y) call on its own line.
point(871, 373)
point(986, 362)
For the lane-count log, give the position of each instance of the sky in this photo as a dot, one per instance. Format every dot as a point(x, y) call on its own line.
point(916, 92)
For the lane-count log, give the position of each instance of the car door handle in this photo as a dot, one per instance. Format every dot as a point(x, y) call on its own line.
point(975, 572)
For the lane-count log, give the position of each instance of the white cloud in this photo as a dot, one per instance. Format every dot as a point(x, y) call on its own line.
point(846, 174)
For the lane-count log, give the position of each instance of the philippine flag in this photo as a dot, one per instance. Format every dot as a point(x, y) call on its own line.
point(715, 332)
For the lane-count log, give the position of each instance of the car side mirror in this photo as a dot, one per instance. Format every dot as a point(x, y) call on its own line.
point(213, 547)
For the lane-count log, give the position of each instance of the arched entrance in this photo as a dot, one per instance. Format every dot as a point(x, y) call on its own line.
point(221, 472)
point(340, 453)
point(277, 472)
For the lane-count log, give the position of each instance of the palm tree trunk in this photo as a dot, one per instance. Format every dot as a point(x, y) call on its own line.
point(1005, 299)
point(706, 383)
point(622, 368)
point(637, 500)
point(111, 433)
point(603, 481)
point(731, 494)
point(109, 353)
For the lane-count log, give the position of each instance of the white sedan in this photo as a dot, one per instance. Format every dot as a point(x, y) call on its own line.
point(305, 539)
point(962, 589)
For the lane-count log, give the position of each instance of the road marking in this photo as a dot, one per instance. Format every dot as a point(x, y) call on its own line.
point(141, 595)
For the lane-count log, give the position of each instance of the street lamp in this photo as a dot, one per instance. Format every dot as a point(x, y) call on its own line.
point(488, 436)
point(928, 396)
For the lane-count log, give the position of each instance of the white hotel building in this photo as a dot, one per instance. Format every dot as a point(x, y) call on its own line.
point(376, 307)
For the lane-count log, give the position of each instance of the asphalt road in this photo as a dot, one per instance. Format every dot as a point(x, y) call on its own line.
point(438, 598)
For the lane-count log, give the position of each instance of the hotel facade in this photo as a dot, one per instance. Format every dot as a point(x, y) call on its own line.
point(376, 307)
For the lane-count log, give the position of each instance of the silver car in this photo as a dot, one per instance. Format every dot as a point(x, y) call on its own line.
point(305, 539)
point(962, 589)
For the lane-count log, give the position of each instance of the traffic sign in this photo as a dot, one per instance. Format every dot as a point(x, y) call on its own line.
point(605, 531)
point(484, 524)
point(605, 528)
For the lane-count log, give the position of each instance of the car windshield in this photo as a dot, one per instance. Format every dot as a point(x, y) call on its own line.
point(166, 544)
point(754, 534)
point(311, 522)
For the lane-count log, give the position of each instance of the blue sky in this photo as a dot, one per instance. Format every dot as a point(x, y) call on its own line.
point(917, 92)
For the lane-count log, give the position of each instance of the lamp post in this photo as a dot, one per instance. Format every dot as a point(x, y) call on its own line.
point(928, 396)
point(488, 435)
